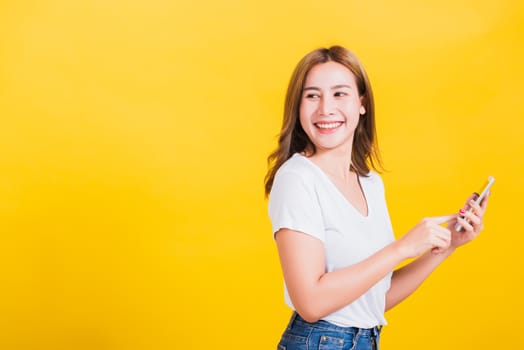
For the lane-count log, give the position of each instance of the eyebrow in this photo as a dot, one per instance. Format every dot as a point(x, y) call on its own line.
point(332, 88)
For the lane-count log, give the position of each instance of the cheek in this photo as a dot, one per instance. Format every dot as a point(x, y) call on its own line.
point(303, 122)
point(304, 110)
point(304, 114)
point(352, 109)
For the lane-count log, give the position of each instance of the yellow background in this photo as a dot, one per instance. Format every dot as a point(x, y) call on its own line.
point(133, 141)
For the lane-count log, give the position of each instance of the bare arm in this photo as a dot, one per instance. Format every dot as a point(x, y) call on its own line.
point(316, 293)
point(407, 279)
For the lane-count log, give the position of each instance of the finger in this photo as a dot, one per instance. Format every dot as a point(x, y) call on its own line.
point(440, 236)
point(465, 224)
point(441, 243)
point(484, 202)
point(472, 197)
point(452, 221)
point(440, 219)
point(472, 217)
point(437, 250)
point(442, 230)
point(476, 208)
point(469, 232)
point(477, 226)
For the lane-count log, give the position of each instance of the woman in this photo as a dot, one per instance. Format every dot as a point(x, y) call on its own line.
point(329, 215)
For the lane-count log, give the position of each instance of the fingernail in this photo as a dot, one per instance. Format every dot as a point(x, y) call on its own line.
point(462, 211)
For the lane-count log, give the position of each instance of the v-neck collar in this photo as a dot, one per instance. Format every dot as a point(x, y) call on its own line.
point(337, 190)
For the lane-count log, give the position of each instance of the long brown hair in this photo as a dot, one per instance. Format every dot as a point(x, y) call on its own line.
point(292, 137)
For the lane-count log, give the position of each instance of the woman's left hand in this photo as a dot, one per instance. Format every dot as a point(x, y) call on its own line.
point(473, 225)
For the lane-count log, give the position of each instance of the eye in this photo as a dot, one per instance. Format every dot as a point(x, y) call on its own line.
point(340, 94)
point(312, 95)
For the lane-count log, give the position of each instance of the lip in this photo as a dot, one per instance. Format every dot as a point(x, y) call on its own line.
point(328, 127)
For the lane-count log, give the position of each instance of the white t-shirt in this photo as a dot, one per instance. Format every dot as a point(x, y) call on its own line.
point(304, 199)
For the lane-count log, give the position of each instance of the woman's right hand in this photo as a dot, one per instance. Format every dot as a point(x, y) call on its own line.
point(426, 235)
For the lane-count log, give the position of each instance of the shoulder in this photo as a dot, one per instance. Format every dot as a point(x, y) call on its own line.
point(293, 200)
point(297, 177)
point(373, 179)
point(298, 168)
point(373, 176)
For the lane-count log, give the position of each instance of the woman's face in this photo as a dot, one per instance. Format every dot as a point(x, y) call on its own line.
point(330, 107)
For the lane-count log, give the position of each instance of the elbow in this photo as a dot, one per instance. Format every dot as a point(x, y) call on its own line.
point(311, 305)
point(309, 313)
point(308, 317)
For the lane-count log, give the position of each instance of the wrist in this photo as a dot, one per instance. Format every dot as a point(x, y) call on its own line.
point(446, 253)
point(450, 250)
point(400, 251)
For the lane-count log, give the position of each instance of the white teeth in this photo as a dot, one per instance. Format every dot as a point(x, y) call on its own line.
point(328, 125)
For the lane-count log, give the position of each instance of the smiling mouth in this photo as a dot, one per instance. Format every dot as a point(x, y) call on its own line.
point(328, 126)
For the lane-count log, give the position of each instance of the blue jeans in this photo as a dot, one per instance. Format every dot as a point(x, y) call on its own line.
point(322, 335)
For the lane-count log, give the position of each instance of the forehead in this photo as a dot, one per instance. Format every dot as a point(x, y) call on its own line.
point(329, 74)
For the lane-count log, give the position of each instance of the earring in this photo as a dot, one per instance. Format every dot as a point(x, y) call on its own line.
point(362, 110)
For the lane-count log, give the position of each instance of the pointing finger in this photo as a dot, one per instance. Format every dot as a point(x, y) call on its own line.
point(440, 219)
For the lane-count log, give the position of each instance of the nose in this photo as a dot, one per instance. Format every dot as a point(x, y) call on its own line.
point(326, 105)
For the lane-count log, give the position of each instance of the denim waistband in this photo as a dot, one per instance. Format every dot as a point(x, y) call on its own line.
point(321, 324)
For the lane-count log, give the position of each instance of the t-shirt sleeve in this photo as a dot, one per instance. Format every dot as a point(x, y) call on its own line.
point(294, 205)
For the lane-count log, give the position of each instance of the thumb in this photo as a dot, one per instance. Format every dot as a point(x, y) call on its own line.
point(439, 220)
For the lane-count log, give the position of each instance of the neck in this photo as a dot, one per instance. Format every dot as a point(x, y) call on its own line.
point(336, 163)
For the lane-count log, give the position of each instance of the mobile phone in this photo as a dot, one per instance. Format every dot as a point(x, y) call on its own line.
point(485, 190)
